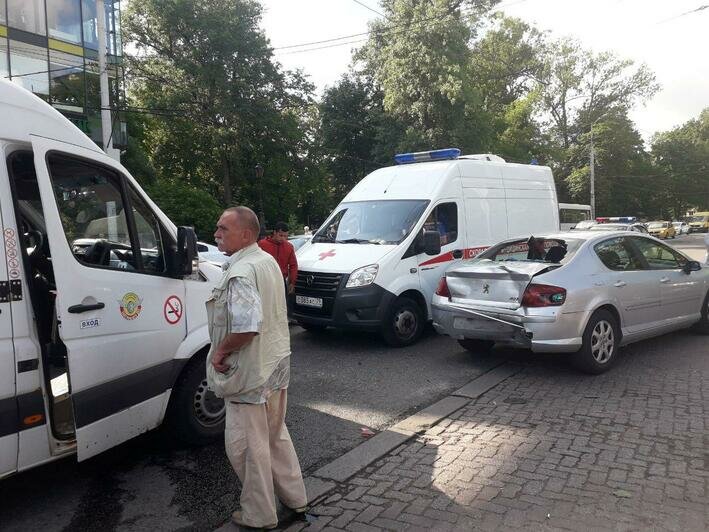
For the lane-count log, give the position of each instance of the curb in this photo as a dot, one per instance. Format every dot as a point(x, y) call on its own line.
point(325, 479)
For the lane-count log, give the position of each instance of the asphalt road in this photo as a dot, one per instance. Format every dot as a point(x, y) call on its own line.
point(340, 382)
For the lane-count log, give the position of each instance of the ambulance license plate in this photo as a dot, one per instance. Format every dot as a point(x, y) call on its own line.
point(309, 301)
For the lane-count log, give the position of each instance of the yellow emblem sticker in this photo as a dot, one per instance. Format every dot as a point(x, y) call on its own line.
point(130, 306)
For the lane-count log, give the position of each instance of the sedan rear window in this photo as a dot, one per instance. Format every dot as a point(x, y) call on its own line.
point(552, 250)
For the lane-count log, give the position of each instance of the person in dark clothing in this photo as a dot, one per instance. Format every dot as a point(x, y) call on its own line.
point(279, 248)
point(536, 248)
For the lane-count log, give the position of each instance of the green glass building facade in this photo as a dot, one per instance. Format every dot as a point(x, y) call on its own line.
point(50, 47)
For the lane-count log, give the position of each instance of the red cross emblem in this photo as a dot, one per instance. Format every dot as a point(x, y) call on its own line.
point(327, 254)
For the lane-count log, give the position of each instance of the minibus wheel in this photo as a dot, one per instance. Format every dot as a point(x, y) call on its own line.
point(404, 323)
point(195, 415)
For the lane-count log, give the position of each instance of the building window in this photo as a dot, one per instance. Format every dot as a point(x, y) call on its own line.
point(66, 75)
point(4, 66)
point(64, 20)
point(117, 27)
point(29, 67)
point(27, 15)
point(88, 10)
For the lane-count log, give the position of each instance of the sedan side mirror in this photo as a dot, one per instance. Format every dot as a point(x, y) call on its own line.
point(431, 242)
point(186, 252)
point(691, 266)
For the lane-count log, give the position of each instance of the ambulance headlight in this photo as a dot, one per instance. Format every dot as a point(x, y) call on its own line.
point(362, 276)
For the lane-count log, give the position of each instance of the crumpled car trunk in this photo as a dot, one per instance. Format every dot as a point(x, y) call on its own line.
point(493, 284)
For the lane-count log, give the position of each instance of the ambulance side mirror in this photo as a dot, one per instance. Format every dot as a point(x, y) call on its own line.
point(186, 251)
point(431, 242)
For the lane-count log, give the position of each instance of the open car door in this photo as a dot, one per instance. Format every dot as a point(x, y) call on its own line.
point(120, 314)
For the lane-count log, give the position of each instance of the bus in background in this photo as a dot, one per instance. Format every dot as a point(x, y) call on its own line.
point(571, 214)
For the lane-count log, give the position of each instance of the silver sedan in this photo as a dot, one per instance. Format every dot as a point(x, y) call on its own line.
point(584, 293)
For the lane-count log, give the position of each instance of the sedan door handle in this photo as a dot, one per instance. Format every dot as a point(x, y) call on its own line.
point(619, 284)
point(78, 309)
point(665, 280)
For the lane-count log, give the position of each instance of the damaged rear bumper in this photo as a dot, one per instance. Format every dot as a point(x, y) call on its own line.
point(549, 331)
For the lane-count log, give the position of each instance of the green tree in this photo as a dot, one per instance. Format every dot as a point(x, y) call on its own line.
point(681, 156)
point(623, 174)
point(222, 103)
point(419, 56)
point(187, 205)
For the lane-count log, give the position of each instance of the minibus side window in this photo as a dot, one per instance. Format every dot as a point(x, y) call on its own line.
point(149, 235)
point(93, 213)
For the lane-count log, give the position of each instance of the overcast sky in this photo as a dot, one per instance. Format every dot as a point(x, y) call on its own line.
point(673, 45)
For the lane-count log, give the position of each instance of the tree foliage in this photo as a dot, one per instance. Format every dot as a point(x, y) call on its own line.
point(222, 104)
point(432, 74)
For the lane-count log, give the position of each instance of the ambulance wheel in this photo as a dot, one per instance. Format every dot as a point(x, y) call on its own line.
point(404, 324)
point(195, 415)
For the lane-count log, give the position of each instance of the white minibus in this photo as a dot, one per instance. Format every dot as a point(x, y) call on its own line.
point(103, 329)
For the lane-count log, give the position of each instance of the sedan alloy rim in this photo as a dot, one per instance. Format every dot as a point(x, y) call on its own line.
point(602, 342)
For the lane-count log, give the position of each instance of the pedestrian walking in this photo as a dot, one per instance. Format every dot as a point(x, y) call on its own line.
point(249, 366)
point(279, 248)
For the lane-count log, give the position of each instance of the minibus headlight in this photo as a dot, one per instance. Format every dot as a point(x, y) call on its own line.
point(362, 276)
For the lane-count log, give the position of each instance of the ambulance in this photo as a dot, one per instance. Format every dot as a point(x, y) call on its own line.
point(375, 263)
point(103, 329)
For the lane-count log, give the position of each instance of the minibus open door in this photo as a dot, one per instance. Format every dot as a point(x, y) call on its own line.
point(120, 324)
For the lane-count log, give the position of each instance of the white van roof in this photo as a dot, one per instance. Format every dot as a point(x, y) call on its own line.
point(24, 114)
point(426, 180)
point(405, 181)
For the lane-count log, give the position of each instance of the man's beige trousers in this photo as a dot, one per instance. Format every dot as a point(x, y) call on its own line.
point(260, 450)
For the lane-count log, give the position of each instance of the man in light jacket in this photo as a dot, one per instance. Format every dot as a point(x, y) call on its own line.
point(249, 366)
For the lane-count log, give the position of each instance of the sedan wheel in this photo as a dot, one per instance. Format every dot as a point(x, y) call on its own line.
point(600, 344)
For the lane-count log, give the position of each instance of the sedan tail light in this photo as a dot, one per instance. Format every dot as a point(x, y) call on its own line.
point(543, 295)
point(442, 288)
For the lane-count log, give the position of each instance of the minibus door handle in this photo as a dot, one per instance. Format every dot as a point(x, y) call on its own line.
point(78, 309)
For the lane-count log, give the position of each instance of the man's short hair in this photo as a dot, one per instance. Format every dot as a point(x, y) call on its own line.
point(281, 226)
point(247, 219)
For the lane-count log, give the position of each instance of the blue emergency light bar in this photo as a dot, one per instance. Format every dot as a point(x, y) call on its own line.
point(423, 156)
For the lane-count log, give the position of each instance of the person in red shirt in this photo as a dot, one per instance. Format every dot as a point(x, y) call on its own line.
point(279, 248)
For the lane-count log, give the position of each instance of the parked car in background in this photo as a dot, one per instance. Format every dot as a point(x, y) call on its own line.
point(588, 294)
point(638, 228)
point(699, 223)
point(661, 229)
point(681, 228)
point(299, 240)
point(211, 253)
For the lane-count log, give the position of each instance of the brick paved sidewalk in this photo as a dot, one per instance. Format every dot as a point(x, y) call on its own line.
point(550, 448)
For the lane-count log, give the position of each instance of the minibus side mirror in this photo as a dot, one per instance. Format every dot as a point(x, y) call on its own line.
point(431, 242)
point(186, 251)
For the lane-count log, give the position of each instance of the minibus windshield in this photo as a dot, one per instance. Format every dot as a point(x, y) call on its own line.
point(372, 222)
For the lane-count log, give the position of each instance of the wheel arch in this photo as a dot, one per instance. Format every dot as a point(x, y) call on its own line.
point(610, 307)
point(420, 300)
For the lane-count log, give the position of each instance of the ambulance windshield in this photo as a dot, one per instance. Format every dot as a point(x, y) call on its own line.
point(372, 222)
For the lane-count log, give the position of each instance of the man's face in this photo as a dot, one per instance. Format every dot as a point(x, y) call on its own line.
point(230, 236)
point(280, 236)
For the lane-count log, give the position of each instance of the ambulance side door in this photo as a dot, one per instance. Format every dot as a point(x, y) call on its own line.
point(120, 312)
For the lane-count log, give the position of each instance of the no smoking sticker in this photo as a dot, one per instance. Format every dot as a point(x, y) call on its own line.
point(172, 310)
